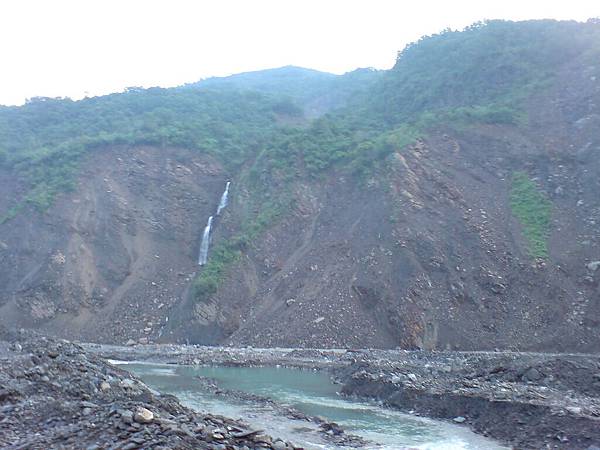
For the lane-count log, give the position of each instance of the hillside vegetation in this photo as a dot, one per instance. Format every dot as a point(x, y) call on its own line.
point(456, 78)
point(44, 140)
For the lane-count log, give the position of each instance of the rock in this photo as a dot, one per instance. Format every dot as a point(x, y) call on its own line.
point(279, 445)
point(290, 302)
point(126, 415)
point(143, 340)
point(459, 419)
point(319, 320)
point(574, 410)
point(86, 404)
point(130, 343)
point(130, 446)
point(532, 375)
point(16, 347)
point(143, 415)
point(247, 434)
point(127, 383)
point(104, 386)
point(593, 266)
point(263, 438)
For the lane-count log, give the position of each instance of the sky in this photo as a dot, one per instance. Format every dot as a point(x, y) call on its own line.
point(78, 48)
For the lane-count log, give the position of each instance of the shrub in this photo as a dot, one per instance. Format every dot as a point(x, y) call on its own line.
point(533, 210)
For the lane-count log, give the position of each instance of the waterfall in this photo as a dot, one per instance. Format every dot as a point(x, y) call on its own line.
point(205, 241)
point(223, 202)
point(203, 257)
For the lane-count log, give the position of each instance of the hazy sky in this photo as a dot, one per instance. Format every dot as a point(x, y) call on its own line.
point(89, 47)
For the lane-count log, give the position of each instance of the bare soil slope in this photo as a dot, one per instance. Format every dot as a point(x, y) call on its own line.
point(107, 261)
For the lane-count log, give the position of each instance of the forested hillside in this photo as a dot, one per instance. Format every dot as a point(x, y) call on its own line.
point(451, 201)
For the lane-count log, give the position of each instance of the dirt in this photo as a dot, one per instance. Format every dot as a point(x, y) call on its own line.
point(526, 400)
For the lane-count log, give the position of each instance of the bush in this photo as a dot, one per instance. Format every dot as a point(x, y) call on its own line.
point(533, 210)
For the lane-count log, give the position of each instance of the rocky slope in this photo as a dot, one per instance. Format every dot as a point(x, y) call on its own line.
point(108, 261)
point(431, 255)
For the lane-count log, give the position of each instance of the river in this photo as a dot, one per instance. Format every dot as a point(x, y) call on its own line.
point(310, 392)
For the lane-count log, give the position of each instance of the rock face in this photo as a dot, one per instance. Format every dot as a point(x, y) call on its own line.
point(54, 395)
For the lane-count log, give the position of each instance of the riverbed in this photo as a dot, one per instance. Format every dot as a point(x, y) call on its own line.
point(310, 392)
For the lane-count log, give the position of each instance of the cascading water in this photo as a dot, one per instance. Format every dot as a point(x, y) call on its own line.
point(224, 198)
point(203, 257)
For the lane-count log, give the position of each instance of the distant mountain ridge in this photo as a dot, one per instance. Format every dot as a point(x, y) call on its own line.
point(317, 92)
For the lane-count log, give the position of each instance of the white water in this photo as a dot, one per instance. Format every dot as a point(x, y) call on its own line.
point(314, 394)
point(224, 199)
point(203, 257)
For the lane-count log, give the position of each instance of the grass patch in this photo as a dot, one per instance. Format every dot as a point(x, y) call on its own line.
point(533, 210)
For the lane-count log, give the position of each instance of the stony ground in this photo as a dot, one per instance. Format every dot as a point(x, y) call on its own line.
point(527, 400)
point(55, 395)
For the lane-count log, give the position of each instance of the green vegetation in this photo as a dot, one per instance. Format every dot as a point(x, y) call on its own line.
point(533, 210)
point(489, 63)
point(45, 139)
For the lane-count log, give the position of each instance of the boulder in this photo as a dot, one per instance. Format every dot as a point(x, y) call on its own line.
point(532, 375)
point(143, 415)
point(593, 266)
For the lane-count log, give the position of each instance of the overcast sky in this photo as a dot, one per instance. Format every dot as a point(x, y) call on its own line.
point(90, 47)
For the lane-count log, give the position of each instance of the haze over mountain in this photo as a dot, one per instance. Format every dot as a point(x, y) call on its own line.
point(450, 202)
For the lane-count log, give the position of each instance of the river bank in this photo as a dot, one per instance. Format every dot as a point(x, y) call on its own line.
point(526, 400)
point(54, 394)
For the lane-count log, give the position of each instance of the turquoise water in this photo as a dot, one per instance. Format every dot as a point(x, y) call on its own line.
point(314, 394)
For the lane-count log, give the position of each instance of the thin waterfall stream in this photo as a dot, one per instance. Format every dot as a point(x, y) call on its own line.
point(203, 257)
point(224, 199)
point(205, 243)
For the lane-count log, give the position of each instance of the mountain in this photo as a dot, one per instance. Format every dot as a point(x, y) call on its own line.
point(448, 203)
point(315, 92)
